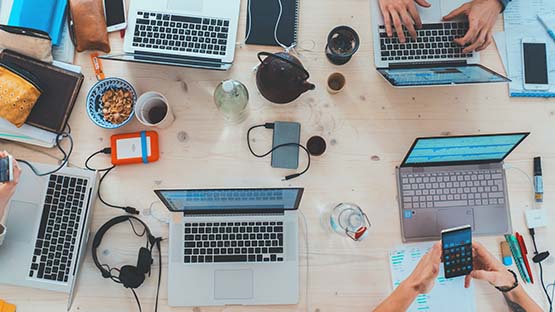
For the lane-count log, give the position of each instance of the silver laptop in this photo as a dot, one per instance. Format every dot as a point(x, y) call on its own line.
point(190, 33)
point(432, 59)
point(445, 182)
point(47, 228)
point(233, 246)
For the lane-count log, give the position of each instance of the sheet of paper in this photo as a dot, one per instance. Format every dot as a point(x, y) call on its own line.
point(521, 22)
point(447, 295)
point(26, 134)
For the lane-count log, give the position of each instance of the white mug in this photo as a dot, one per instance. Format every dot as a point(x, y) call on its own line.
point(153, 110)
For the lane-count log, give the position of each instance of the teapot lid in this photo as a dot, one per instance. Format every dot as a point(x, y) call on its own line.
point(276, 55)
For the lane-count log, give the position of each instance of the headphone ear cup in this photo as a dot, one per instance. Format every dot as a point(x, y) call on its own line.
point(145, 261)
point(130, 276)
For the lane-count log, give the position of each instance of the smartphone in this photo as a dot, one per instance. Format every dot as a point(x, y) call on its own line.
point(6, 169)
point(286, 157)
point(456, 245)
point(114, 10)
point(534, 60)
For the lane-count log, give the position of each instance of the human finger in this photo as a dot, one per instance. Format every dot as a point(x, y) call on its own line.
point(415, 16)
point(467, 281)
point(387, 23)
point(478, 42)
point(456, 12)
point(488, 41)
point(423, 3)
point(469, 37)
point(409, 23)
point(398, 26)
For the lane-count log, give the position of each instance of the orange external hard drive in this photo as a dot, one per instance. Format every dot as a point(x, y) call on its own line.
point(135, 148)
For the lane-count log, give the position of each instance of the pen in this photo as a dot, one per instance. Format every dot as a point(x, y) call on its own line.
point(549, 30)
point(538, 179)
point(524, 252)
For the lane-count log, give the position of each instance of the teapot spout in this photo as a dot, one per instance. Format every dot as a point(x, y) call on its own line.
point(308, 86)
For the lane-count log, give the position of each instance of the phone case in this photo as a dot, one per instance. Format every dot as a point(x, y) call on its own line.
point(286, 157)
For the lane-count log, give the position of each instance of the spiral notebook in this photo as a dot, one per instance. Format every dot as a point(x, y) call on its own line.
point(262, 18)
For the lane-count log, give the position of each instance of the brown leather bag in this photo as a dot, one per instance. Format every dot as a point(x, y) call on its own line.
point(88, 25)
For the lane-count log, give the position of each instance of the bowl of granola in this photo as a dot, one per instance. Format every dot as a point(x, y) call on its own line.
point(110, 103)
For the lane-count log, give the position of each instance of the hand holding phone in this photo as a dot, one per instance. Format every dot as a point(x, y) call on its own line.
point(456, 244)
point(6, 169)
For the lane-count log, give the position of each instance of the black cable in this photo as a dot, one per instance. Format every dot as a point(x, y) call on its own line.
point(137, 299)
point(549, 299)
point(271, 126)
point(102, 151)
point(59, 137)
point(128, 209)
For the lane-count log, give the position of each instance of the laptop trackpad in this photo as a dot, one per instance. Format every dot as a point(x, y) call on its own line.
point(21, 221)
point(187, 5)
point(233, 284)
point(449, 218)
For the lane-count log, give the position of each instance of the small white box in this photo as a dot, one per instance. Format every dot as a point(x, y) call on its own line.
point(536, 218)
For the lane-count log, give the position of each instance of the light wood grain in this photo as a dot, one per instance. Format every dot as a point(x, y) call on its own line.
point(369, 127)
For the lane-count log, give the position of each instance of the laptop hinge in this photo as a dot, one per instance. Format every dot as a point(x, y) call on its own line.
point(177, 57)
point(427, 65)
point(234, 214)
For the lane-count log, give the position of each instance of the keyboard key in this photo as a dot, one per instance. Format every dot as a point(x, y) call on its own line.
point(230, 258)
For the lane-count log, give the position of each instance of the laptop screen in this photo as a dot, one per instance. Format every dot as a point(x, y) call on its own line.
point(444, 75)
point(463, 149)
point(231, 200)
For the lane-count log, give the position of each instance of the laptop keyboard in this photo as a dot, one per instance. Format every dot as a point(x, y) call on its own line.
point(59, 227)
point(433, 42)
point(181, 33)
point(452, 189)
point(233, 242)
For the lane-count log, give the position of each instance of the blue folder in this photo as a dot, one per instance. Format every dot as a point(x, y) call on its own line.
point(45, 15)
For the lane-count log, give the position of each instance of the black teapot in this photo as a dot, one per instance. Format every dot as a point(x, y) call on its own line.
point(281, 77)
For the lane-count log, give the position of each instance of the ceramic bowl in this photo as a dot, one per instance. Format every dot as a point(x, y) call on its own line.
point(94, 101)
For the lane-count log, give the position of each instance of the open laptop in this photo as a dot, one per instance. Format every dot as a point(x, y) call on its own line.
point(233, 246)
point(190, 33)
point(433, 59)
point(48, 228)
point(445, 182)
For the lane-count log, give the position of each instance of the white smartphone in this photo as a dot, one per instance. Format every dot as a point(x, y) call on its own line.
point(535, 62)
point(114, 10)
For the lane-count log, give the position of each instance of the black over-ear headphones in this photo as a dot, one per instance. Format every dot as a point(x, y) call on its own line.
point(130, 276)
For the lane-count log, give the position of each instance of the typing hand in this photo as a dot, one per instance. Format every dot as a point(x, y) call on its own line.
point(423, 277)
point(482, 15)
point(488, 268)
point(8, 189)
point(402, 12)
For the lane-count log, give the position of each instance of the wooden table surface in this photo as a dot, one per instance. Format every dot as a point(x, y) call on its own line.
point(369, 128)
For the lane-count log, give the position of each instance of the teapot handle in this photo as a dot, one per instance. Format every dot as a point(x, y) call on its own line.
point(260, 54)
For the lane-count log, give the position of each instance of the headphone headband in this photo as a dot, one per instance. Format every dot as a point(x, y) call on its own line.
point(102, 231)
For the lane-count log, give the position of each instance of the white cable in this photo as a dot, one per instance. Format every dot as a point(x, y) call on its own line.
point(276, 27)
point(307, 260)
point(534, 203)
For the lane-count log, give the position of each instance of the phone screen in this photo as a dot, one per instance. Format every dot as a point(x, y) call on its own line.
point(535, 63)
point(115, 13)
point(457, 251)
